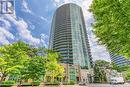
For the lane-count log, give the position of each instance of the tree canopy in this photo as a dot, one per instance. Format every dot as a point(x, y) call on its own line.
point(12, 58)
point(53, 69)
point(120, 68)
point(112, 24)
point(24, 62)
point(100, 67)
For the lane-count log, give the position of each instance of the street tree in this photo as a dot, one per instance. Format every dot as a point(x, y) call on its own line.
point(25, 62)
point(128, 75)
point(112, 24)
point(34, 69)
point(100, 67)
point(53, 68)
point(119, 68)
point(12, 58)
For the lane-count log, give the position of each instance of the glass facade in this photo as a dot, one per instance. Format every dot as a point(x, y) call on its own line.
point(72, 74)
point(69, 36)
point(119, 60)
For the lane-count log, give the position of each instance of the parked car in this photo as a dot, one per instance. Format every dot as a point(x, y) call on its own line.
point(117, 80)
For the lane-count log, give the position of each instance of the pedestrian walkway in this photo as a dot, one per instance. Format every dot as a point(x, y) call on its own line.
point(63, 86)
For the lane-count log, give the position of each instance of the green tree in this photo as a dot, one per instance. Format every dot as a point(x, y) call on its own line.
point(120, 68)
point(112, 24)
point(12, 58)
point(100, 67)
point(128, 75)
point(53, 68)
point(26, 62)
point(34, 69)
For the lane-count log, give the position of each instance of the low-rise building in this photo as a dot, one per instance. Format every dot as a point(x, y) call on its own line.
point(74, 72)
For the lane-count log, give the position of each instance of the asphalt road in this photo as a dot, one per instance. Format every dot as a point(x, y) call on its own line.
point(91, 85)
point(96, 85)
point(107, 85)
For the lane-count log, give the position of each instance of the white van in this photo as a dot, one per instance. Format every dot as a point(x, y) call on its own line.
point(117, 80)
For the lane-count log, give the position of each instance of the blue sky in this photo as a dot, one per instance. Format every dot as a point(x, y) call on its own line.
point(31, 23)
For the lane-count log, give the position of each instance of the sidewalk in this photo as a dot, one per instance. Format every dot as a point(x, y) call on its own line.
point(64, 86)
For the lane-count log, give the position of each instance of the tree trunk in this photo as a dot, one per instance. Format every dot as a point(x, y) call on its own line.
point(44, 78)
point(52, 80)
point(20, 83)
point(2, 78)
point(32, 84)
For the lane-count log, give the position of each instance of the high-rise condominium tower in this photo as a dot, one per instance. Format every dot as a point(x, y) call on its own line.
point(119, 60)
point(69, 36)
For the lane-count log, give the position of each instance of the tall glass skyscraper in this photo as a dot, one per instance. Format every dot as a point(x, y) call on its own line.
point(119, 60)
point(69, 36)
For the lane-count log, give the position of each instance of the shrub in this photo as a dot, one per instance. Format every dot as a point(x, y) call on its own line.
point(56, 82)
point(53, 83)
point(35, 83)
point(7, 83)
point(71, 82)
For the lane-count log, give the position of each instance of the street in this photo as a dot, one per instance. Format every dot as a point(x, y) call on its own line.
point(97, 85)
point(108, 85)
point(90, 85)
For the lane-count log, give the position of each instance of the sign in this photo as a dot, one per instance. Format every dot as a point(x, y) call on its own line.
point(6, 6)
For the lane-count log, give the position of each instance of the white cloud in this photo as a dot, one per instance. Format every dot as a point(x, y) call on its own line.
point(4, 32)
point(5, 23)
point(3, 39)
point(57, 1)
point(25, 7)
point(21, 29)
point(44, 19)
point(31, 25)
point(98, 51)
point(43, 39)
point(5, 35)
